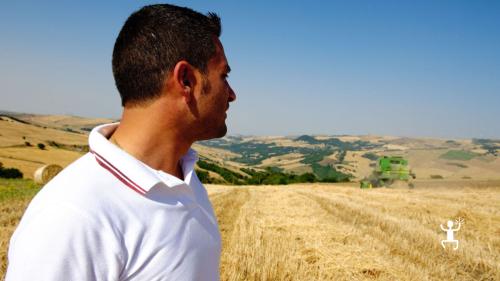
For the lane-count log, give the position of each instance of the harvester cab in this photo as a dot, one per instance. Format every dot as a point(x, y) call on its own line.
point(389, 170)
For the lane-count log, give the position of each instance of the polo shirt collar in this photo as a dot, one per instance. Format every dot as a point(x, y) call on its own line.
point(129, 170)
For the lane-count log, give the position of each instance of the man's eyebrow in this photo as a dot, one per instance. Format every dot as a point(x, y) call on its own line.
point(228, 68)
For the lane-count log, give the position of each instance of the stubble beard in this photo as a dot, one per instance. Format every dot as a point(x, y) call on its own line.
point(212, 132)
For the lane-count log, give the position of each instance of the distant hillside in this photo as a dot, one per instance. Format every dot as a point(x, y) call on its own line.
point(356, 155)
point(65, 122)
point(240, 159)
point(19, 141)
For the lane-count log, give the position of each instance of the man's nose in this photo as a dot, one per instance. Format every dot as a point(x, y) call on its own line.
point(232, 94)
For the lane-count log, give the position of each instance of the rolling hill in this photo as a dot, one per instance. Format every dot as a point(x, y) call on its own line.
point(327, 157)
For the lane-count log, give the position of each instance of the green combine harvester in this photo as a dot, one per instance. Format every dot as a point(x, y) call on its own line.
point(390, 169)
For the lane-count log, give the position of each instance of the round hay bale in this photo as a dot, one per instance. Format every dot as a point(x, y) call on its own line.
point(44, 174)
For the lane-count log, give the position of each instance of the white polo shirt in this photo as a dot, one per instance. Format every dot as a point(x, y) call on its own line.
point(108, 216)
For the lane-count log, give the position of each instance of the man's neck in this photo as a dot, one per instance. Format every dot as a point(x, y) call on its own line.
point(159, 149)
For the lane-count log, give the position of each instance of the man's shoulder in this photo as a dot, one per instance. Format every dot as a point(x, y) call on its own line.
point(82, 176)
point(81, 190)
point(67, 220)
point(82, 185)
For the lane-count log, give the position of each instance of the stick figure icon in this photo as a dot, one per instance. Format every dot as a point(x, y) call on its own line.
point(450, 233)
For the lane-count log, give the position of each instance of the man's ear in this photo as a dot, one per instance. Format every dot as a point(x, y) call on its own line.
point(185, 79)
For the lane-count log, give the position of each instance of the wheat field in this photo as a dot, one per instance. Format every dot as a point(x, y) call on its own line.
point(341, 232)
point(335, 232)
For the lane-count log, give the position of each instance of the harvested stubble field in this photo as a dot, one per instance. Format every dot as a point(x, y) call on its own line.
point(340, 232)
point(335, 232)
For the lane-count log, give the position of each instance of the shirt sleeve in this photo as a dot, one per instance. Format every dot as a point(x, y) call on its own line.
point(60, 243)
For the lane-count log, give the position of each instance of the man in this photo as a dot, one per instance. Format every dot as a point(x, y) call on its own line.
point(133, 208)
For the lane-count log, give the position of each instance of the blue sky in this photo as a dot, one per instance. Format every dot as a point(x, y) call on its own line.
point(405, 68)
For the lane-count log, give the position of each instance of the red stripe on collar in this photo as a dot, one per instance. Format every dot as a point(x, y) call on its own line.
point(117, 173)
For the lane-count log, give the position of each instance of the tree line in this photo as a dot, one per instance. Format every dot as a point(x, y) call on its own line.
point(270, 175)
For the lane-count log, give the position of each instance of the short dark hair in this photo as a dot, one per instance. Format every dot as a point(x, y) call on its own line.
point(153, 40)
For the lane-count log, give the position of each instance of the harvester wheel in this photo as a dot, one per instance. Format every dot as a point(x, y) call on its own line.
point(387, 183)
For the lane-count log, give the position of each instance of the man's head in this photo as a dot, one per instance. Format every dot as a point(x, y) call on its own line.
point(211, 103)
point(168, 49)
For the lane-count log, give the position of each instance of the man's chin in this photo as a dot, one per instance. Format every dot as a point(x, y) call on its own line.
point(222, 131)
